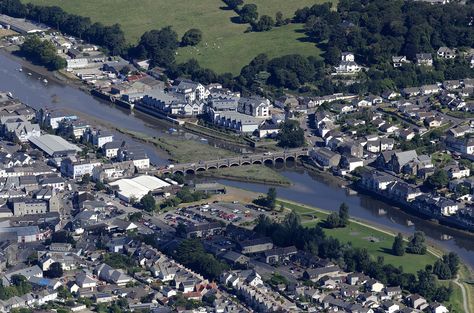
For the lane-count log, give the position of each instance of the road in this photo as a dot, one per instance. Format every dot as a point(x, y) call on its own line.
point(464, 294)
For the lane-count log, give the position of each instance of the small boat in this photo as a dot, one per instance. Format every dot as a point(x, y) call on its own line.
point(45, 81)
point(203, 139)
point(172, 130)
point(10, 95)
point(29, 74)
point(20, 70)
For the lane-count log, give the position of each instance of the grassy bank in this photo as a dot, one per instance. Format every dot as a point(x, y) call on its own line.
point(466, 278)
point(226, 46)
point(182, 150)
point(215, 133)
point(454, 304)
point(250, 173)
point(378, 242)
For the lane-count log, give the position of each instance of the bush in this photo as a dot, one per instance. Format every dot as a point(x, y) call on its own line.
point(192, 37)
point(417, 243)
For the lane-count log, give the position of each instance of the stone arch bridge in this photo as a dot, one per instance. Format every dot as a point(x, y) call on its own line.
point(258, 158)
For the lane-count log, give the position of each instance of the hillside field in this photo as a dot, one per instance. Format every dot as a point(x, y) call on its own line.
point(225, 46)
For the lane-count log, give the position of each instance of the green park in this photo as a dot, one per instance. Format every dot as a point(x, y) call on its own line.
point(225, 46)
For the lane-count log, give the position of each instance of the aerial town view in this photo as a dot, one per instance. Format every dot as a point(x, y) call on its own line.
point(237, 156)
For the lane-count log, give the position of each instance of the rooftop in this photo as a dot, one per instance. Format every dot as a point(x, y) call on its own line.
point(52, 144)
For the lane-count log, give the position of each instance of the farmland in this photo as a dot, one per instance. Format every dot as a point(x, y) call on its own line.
point(225, 47)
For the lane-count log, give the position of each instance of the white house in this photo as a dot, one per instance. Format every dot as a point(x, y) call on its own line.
point(438, 308)
point(446, 53)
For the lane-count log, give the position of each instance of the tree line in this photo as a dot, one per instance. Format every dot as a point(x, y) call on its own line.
point(376, 30)
point(373, 29)
point(111, 37)
point(248, 14)
point(42, 52)
point(191, 253)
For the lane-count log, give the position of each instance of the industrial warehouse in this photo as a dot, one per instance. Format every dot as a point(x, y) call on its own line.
point(136, 188)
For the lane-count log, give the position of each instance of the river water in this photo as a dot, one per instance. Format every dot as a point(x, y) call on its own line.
point(319, 190)
point(308, 187)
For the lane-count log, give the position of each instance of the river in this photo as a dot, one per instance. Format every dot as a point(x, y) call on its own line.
point(308, 187)
point(322, 191)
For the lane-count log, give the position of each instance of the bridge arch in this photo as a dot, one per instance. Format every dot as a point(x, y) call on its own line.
point(268, 161)
point(212, 167)
point(178, 172)
point(190, 171)
point(223, 166)
point(200, 169)
point(246, 163)
point(257, 162)
point(280, 159)
point(234, 164)
point(290, 158)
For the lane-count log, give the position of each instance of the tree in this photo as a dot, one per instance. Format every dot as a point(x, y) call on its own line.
point(125, 70)
point(442, 270)
point(343, 215)
point(398, 247)
point(180, 230)
point(417, 243)
point(62, 237)
point(279, 20)
point(248, 13)
point(265, 23)
point(332, 220)
point(439, 179)
point(339, 219)
point(291, 135)
point(159, 45)
point(453, 261)
point(192, 37)
point(271, 198)
point(333, 55)
point(86, 178)
point(135, 217)
point(447, 267)
point(233, 4)
point(99, 185)
point(148, 202)
point(55, 270)
point(191, 253)
point(42, 52)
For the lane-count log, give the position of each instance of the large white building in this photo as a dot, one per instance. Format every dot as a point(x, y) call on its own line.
point(77, 168)
point(348, 64)
point(136, 188)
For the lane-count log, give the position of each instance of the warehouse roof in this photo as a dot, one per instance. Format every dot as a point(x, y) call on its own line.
point(21, 25)
point(139, 186)
point(53, 145)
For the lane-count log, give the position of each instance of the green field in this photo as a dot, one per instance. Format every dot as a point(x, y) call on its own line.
point(228, 46)
point(250, 173)
point(455, 301)
point(377, 242)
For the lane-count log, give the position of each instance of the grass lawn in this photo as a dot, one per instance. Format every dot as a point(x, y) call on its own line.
point(455, 301)
point(377, 242)
point(467, 279)
point(440, 158)
point(231, 53)
point(228, 46)
point(251, 173)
